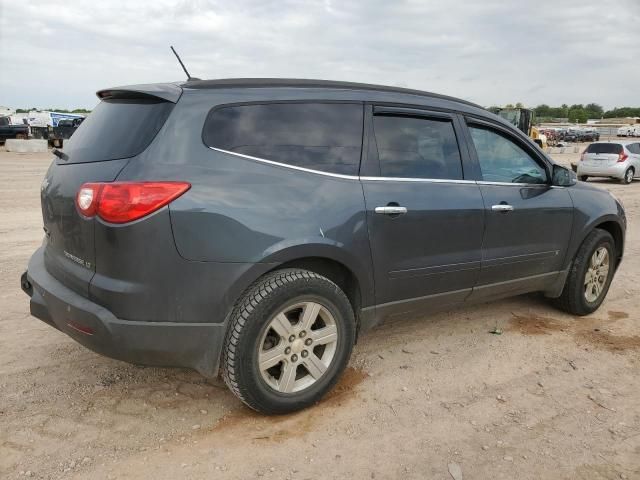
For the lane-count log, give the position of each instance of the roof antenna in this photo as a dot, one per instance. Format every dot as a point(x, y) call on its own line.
point(189, 77)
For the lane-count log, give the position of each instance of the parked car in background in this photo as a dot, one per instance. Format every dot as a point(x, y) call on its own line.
point(610, 159)
point(570, 136)
point(58, 134)
point(588, 136)
point(561, 133)
point(260, 225)
point(7, 130)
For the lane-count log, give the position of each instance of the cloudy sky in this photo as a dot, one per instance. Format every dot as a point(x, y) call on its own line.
point(55, 53)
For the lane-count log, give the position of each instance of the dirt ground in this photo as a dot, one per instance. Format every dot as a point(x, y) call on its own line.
point(438, 397)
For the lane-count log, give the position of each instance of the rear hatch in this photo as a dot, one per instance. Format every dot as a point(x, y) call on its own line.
point(121, 127)
point(602, 154)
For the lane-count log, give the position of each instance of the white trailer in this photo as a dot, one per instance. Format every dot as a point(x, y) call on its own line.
point(50, 119)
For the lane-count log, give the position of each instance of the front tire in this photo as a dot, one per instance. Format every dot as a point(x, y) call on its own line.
point(583, 178)
point(590, 275)
point(290, 338)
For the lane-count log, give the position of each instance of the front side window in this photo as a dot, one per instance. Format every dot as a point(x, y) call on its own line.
point(413, 147)
point(502, 160)
point(319, 136)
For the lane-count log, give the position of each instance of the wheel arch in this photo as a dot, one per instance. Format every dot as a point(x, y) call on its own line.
point(332, 269)
point(608, 223)
point(328, 260)
point(333, 261)
point(616, 231)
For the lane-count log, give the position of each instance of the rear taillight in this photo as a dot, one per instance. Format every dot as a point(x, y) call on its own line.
point(622, 157)
point(87, 199)
point(582, 156)
point(122, 202)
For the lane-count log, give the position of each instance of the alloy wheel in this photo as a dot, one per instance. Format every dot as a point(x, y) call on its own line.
point(297, 347)
point(597, 274)
point(629, 176)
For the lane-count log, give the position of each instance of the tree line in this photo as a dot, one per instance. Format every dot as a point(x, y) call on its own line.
point(580, 113)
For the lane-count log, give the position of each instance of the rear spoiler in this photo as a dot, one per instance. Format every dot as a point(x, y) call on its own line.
point(165, 91)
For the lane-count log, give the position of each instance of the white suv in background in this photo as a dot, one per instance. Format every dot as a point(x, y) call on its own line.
point(610, 159)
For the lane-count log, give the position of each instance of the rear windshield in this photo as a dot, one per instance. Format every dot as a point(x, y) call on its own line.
point(117, 128)
point(604, 148)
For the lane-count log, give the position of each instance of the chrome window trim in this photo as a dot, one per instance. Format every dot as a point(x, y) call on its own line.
point(405, 179)
point(378, 179)
point(541, 185)
point(338, 175)
point(285, 165)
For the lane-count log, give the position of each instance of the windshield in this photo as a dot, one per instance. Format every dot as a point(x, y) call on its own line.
point(511, 116)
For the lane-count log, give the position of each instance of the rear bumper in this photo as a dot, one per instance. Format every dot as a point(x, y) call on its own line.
point(191, 345)
point(616, 170)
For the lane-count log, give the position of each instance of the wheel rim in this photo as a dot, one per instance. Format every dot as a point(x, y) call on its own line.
point(597, 274)
point(297, 347)
point(629, 176)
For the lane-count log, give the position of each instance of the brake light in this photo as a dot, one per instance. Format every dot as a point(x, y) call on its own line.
point(622, 157)
point(582, 156)
point(122, 202)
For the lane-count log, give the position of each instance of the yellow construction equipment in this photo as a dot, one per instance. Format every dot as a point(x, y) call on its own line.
point(523, 119)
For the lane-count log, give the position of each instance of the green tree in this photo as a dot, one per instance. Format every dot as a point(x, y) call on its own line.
point(543, 110)
point(594, 110)
point(578, 114)
point(622, 112)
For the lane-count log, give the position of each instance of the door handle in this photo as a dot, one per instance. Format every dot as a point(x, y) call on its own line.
point(502, 207)
point(391, 210)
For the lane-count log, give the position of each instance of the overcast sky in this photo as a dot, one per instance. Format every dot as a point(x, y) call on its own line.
point(55, 53)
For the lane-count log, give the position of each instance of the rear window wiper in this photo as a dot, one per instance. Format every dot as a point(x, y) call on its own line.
point(60, 154)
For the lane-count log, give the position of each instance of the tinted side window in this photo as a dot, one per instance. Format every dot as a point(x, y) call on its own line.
point(634, 148)
point(320, 136)
point(502, 160)
point(412, 147)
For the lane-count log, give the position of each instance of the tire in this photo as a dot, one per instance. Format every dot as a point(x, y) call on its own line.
point(574, 295)
point(583, 178)
point(628, 176)
point(253, 324)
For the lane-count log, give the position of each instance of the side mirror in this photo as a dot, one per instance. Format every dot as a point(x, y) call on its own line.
point(563, 177)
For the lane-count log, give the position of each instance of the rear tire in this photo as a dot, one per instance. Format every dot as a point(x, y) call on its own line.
point(274, 360)
point(628, 176)
point(578, 298)
point(583, 178)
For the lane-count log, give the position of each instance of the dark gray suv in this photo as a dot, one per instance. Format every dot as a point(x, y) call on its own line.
point(258, 225)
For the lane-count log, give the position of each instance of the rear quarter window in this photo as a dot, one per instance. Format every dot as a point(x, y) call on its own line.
point(117, 128)
point(604, 148)
point(318, 136)
point(634, 148)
